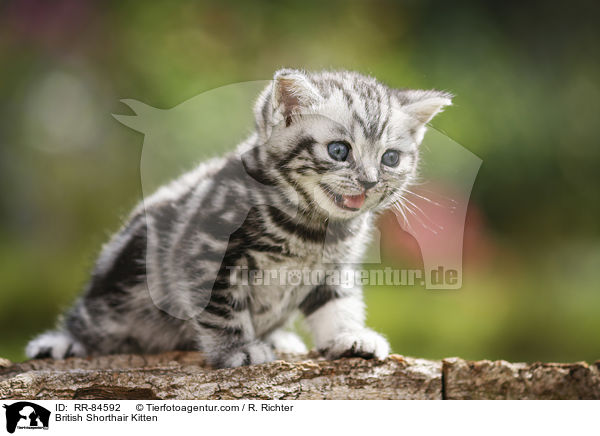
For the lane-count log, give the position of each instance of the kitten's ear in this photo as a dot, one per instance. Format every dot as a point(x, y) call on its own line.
point(292, 92)
point(422, 106)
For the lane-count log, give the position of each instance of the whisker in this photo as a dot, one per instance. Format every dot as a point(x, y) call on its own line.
point(425, 226)
point(424, 214)
point(429, 200)
point(399, 207)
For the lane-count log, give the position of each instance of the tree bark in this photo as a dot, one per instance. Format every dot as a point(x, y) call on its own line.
point(183, 375)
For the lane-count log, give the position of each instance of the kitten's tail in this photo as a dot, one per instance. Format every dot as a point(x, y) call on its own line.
point(55, 344)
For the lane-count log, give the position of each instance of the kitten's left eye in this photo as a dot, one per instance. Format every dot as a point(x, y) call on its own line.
point(338, 150)
point(391, 158)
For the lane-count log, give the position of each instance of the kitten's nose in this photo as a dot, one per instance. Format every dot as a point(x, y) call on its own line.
point(367, 184)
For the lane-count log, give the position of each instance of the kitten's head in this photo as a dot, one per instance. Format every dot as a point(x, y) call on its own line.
point(343, 142)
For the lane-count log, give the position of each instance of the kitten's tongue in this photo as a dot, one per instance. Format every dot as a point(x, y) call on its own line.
point(353, 201)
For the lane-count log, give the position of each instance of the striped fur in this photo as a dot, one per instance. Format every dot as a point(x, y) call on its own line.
point(165, 280)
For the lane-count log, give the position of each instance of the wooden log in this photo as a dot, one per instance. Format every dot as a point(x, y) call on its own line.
point(184, 375)
point(485, 380)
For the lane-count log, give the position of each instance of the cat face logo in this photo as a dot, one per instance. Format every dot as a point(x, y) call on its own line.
point(26, 415)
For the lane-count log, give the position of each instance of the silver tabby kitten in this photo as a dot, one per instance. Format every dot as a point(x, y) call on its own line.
point(330, 150)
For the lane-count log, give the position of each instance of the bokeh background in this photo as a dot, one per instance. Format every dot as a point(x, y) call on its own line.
point(527, 81)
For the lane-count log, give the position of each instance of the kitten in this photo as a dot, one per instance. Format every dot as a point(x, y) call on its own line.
point(331, 149)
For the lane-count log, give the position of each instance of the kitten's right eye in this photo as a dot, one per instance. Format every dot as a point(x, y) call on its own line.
point(338, 150)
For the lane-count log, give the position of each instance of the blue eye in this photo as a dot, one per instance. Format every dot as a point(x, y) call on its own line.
point(338, 150)
point(391, 158)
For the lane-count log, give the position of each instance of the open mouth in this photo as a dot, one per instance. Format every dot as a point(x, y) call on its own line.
point(346, 202)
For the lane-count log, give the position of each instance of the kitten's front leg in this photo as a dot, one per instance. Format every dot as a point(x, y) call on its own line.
point(336, 319)
point(227, 338)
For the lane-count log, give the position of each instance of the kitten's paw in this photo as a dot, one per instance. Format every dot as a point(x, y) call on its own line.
point(286, 342)
point(55, 345)
point(253, 353)
point(363, 343)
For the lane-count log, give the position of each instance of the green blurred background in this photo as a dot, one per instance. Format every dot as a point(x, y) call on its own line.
point(527, 81)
